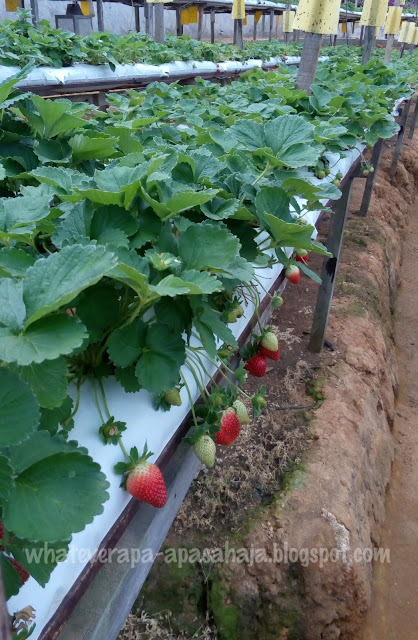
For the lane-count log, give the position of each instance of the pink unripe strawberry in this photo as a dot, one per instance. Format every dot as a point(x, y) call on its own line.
point(145, 482)
point(292, 273)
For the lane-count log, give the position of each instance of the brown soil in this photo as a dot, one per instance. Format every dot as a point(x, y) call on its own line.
point(316, 477)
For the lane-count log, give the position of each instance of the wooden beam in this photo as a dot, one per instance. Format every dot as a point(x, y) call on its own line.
point(100, 16)
point(329, 269)
point(199, 22)
point(309, 61)
point(371, 178)
point(137, 18)
point(212, 26)
point(369, 42)
point(399, 141)
point(159, 30)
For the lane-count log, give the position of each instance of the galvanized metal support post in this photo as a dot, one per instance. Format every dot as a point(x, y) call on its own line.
point(361, 34)
point(147, 17)
point(414, 119)
point(212, 26)
point(271, 25)
point(35, 12)
point(399, 141)
point(179, 26)
point(329, 269)
point(137, 18)
point(255, 29)
point(100, 16)
point(159, 31)
point(371, 178)
point(239, 41)
point(402, 50)
point(199, 22)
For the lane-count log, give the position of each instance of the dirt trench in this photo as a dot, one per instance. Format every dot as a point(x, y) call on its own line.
point(316, 479)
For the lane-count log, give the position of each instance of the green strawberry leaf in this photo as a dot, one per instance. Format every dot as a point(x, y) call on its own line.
point(35, 344)
point(56, 497)
point(19, 414)
point(59, 278)
point(163, 354)
point(47, 380)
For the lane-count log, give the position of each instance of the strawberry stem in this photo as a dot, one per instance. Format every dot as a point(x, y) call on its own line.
point(203, 391)
point(122, 446)
point(190, 398)
point(93, 382)
point(99, 380)
point(219, 367)
point(77, 402)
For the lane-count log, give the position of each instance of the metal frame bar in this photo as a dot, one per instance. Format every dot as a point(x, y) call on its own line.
point(399, 141)
point(371, 178)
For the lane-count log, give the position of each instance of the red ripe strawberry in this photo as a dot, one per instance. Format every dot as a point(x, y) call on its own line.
point(145, 482)
point(230, 428)
point(23, 574)
point(273, 355)
point(292, 273)
point(257, 366)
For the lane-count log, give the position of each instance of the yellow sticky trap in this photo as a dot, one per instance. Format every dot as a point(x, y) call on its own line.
point(402, 3)
point(377, 31)
point(257, 16)
point(317, 16)
point(12, 5)
point(238, 10)
point(410, 33)
point(244, 22)
point(344, 27)
point(87, 8)
point(288, 20)
point(192, 15)
point(374, 13)
point(393, 20)
point(184, 18)
point(407, 32)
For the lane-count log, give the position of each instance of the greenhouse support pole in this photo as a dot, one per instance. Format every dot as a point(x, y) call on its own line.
point(212, 26)
point(199, 22)
point(361, 34)
point(100, 18)
point(309, 61)
point(391, 39)
point(414, 120)
point(239, 41)
point(255, 29)
point(369, 41)
point(4, 616)
point(371, 178)
point(402, 50)
point(263, 24)
point(35, 12)
point(179, 26)
point(159, 22)
point(398, 145)
point(329, 269)
point(271, 25)
point(147, 17)
point(137, 18)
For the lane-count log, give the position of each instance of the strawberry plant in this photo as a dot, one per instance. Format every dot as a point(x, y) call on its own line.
point(130, 236)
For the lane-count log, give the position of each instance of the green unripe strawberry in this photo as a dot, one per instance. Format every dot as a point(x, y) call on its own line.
point(241, 411)
point(337, 182)
point(327, 171)
point(339, 176)
point(235, 313)
point(269, 341)
point(205, 449)
point(172, 396)
point(321, 175)
point(276, 301)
